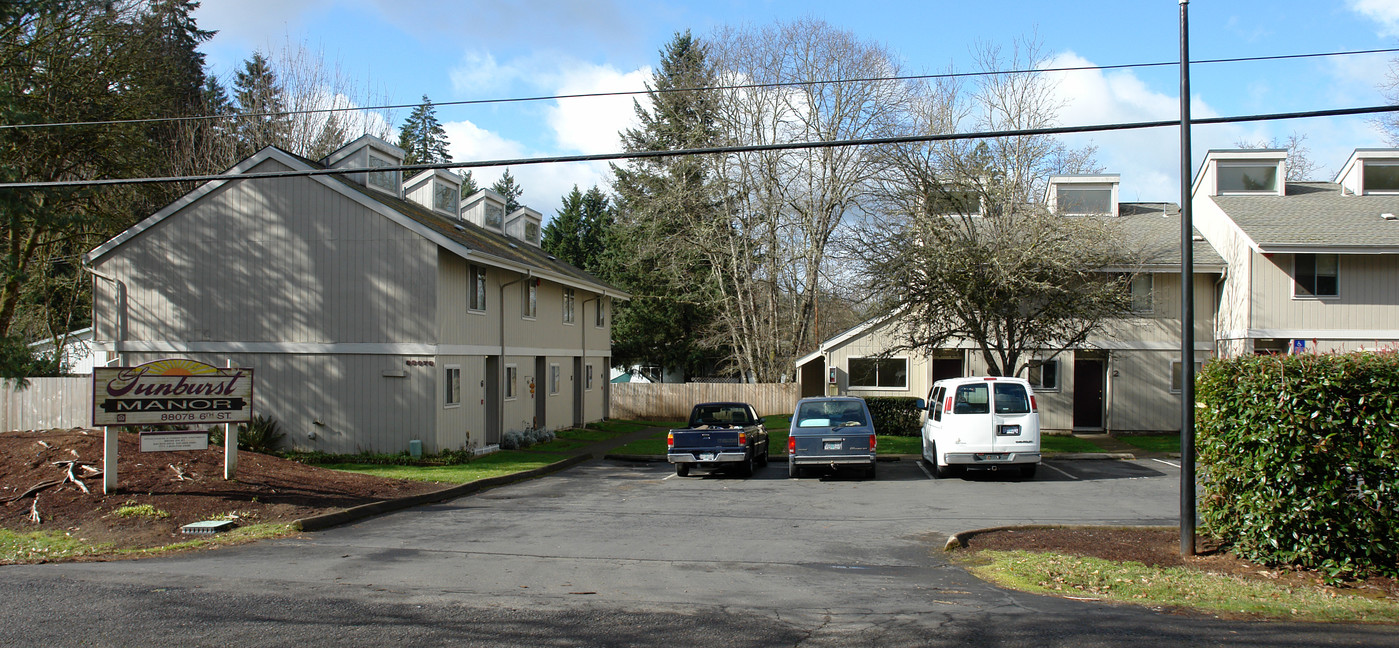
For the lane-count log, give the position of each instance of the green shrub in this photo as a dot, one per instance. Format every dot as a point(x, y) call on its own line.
point(263, 435)
point(895, 415)
point(1300, 460)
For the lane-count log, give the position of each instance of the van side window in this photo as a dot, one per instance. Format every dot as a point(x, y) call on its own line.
point(1011, 399)
point(972, 399)
point(935, 403)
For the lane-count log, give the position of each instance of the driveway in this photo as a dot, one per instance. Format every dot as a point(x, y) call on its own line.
point(627, 554)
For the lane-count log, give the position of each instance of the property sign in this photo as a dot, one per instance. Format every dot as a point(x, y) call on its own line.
point(170, 392)
point(179, 440)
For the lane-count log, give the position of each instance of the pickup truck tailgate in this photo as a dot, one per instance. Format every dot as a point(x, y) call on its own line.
point(706, 440)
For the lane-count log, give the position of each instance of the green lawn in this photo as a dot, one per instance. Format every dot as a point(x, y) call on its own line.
point(1154, 443)
point(495, 464)
point(1057, 443)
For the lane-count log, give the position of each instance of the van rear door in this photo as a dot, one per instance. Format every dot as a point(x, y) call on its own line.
point(1012, 419)
point(970, 422)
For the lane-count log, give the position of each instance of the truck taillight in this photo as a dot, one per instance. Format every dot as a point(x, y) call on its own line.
point(947, 407)
point(669, 440)
point(1033, 406)
point(791, 444)
point(873, 441)
point(743, 438)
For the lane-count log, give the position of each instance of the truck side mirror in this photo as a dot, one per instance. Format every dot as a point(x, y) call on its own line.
point(922, 404)
point(761, 421)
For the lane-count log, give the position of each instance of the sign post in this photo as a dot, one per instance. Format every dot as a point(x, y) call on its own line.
point(169, 392)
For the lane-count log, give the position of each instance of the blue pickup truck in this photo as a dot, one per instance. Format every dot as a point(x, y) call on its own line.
point(720, 435)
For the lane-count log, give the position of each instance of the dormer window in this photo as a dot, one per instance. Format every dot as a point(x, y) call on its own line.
point(1081, 201)
point(1381, 177)
point(532, 232)
point(495, 215)
point(946, 201)
point(1083, 195)
point(1247, 178)
point(445, 197)
point(386, 180)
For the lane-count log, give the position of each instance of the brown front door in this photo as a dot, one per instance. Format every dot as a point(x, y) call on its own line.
point(1089, 377)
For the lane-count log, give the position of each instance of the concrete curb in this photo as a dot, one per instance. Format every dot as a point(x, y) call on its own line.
point(355, 513)
point(1116, 456)
point(959, 540)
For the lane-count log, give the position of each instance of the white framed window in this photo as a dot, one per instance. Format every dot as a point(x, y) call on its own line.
point(477, 298)
point(445, 198)
point(588, 378)
point(599, 314)
point(1380, 177)
point(1246, 178)
point(1083, 201)
point(1175, 374)
point(1043, 375)
point(1140, 288)
point(568, 305)
point(529, 301)
point(554, 373)
point(1316, 275)
point(386, 180)
point(512, 379)
point(878, 373)
point(451, 380)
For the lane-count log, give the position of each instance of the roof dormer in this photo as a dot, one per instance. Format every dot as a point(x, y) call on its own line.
point(1370, 172)
point(1243, 172)
point(485, 208)
point(437, 190)
point(523, 224)
point(1083, 195)
point(370, 152)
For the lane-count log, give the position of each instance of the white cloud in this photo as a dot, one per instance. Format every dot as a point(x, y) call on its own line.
point(593, 124)
point(544, 184)
point(1384, 12)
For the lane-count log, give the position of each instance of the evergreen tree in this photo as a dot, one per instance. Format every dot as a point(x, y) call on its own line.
point(579, 232)
point(468, 184)
point(262, 108)
point(422, 137)
point(668, 322)
point(507, 188)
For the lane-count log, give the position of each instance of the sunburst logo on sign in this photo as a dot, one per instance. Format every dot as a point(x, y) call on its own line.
point(177, 367)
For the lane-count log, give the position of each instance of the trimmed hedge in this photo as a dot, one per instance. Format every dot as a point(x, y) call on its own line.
point(895, 415)
point(1300, 459)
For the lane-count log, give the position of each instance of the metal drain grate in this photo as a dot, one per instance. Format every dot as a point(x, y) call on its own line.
point(208, 527)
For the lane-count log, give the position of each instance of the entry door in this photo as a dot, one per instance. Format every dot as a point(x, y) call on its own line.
point(492, 399)
point(538, 393)
point(577, 392)
point(1089, 377)
point(944, 368)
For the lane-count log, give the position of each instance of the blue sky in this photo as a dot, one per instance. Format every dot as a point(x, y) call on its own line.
point(453, 51)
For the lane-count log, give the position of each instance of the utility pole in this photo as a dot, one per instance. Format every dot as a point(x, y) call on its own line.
point(1187, 303)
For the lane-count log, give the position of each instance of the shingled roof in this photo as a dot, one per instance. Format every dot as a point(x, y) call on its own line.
point(1155, 229)
point(1314, 215)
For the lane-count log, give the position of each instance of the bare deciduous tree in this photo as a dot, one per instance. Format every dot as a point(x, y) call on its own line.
point(1300, 166)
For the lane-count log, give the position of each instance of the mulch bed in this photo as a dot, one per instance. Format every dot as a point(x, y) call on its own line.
point(189, 485)
point(1161, 548)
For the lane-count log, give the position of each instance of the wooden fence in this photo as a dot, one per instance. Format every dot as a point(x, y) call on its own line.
point(672, 401)
point(47, 403)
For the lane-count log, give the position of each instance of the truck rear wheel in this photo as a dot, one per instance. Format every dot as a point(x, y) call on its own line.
point(682, 469)
point(745, 467)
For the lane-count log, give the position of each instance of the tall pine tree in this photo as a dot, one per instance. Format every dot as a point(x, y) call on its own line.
point(580, 230)
point(660, 200)
point(262, 118)
point(422, 137)
point(509, 190)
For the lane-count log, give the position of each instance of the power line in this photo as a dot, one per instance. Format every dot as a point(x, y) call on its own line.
point(748, 148)
point(752, 86)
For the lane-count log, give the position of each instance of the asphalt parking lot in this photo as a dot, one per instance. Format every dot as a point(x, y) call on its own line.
point(629, 554)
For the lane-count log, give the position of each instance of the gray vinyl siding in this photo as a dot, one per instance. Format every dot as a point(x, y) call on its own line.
point(1368, 295)
point(358, 408)
point(241, 265)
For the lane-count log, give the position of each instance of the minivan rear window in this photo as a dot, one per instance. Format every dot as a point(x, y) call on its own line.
point(972, 399)
point(1012, 399)
point(831, 413)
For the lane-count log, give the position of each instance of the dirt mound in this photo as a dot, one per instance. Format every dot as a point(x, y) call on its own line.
point(187, 485)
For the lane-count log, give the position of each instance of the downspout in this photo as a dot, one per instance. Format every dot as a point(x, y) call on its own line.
point(500, 371)
point(120, 335)
point(583, 333)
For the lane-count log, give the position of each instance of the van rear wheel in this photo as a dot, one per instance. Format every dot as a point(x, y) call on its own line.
point(1028, 471)
point(682, 469)
point(939, 472)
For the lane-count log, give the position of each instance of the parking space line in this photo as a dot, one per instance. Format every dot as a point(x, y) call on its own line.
point(1175, 465)
point(669, 476)
point(923, 468)
point(1060, 471)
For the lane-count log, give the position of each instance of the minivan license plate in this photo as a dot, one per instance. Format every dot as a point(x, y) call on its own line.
point(1010, 430)
point(832, 445)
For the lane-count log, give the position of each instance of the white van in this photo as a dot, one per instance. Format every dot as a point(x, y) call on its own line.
point(987, 422)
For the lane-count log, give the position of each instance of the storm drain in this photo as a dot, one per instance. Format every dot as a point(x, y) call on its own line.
point(207, 527)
